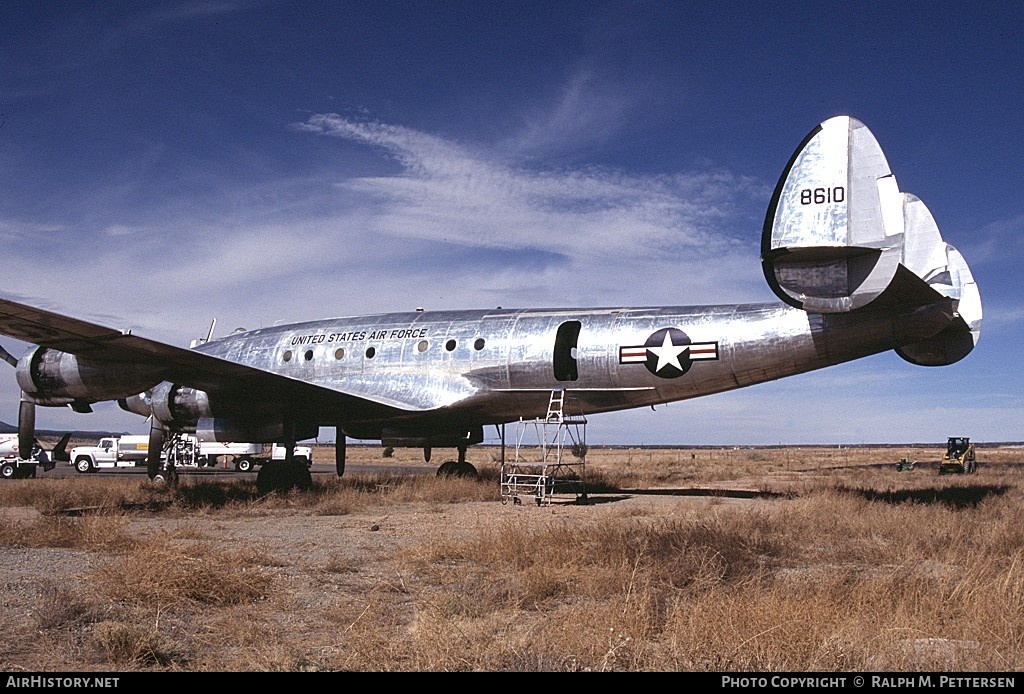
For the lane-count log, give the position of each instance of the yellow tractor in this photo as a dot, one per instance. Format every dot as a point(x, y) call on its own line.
point(959, 458)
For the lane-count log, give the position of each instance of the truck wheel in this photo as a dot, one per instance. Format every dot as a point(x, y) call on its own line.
point(304, 460)
point(7, 471)
point(243, 465)
point(83, 464)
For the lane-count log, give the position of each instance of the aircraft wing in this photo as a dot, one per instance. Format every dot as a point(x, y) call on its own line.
point(102, 345)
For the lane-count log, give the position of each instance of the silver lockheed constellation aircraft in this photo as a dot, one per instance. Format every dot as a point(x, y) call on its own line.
point(860, 268)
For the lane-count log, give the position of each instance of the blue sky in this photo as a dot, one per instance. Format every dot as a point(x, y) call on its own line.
point(163, 164)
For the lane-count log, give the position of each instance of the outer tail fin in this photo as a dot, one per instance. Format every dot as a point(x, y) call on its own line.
point(839, 233)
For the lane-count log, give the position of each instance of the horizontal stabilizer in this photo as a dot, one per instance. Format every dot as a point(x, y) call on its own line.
point(838, 229)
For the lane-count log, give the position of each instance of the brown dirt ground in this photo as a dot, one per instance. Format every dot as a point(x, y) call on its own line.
point(307, 550)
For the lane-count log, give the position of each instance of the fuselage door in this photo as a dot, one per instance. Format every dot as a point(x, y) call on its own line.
point(565, 351)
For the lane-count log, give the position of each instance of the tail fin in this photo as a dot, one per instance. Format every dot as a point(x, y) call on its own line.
point(839, 233)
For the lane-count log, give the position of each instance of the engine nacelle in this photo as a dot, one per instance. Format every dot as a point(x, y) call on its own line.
point(456, 438)
point(227, 430)
point(179, 407)
point(184, 409)
point(52, 377)
point(141, 404)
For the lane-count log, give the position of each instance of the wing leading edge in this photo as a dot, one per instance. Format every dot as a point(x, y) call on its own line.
point(106, 346)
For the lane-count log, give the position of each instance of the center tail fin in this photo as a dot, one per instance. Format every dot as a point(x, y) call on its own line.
point(839, 235)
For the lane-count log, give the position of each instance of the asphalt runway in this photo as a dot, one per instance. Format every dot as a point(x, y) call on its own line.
point(63, 470)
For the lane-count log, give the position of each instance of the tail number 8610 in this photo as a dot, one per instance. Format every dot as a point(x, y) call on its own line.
point(822, 196)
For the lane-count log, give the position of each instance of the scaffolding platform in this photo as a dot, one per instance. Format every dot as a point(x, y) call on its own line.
point(550, 465)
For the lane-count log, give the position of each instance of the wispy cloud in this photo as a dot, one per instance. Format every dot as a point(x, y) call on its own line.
point(588, 110)
point(155, 18)
point(447, 192)
point(998, 241)
point(25, 232)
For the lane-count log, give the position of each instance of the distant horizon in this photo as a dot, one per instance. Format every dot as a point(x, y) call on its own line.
point(6, 428)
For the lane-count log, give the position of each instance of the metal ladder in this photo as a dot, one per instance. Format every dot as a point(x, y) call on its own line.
point(554, 468)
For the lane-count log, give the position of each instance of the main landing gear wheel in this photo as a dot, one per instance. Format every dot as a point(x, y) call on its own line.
point(458, 468)
point(170, 477)
point(454, 468)
point(283, 476)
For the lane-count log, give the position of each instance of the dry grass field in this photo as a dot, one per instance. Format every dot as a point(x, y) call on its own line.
point(782, 559)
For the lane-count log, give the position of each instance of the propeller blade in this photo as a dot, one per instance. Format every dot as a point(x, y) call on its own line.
point(60, 451)
point(156, 446)
point(8, 357)
point(26, 428)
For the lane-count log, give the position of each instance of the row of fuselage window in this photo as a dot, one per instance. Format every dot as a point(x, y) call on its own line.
point(371, 352)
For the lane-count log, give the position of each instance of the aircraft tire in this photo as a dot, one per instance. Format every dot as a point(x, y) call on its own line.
point(453, 468)
point(279, 476)
point(447, 469)
point(268, 479)
point(303, 477)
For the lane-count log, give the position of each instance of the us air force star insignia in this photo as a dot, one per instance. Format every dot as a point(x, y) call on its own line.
point(668, 353)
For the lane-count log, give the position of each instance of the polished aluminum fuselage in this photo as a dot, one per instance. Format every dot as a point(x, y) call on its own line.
point(494, 366)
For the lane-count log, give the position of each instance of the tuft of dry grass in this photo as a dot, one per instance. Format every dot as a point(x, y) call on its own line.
point(129, 643)
point(95, 533)
point(158, 570)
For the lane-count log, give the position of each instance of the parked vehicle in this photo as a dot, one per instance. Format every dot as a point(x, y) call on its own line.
point(185, 451)
point(960, 458)
point(243, 456)
point(112, 452)
point(277, 452)
point(13, 466)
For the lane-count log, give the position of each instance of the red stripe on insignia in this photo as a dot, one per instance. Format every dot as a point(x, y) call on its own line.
point(704, 351)
point(633, 354)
